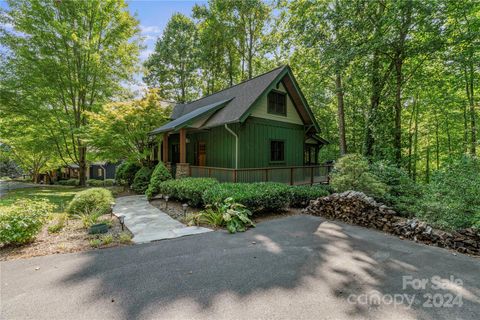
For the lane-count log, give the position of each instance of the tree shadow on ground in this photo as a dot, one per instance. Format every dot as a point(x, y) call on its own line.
point(295, 263)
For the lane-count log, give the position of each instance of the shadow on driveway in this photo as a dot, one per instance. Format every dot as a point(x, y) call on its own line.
point(295, 267)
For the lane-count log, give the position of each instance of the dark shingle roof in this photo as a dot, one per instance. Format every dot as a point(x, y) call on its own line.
point(190, 117)
point(242, 96)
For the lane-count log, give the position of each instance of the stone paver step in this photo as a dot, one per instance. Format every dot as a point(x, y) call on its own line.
point(148, 223)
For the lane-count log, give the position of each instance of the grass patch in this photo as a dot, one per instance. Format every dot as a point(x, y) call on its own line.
point(59, 196)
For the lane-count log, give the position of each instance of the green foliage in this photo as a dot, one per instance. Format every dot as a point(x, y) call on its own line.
point(125, 173)
point(403, 193)
point(257, 197)
point(234, 216)
point(159, 175)
point(69, 182)
point(89, 218)
point(21, 222)
point(142, 179)
point(106, 239)
point(352, 172)
point(188, 190)
point(452, 198)
point(60, 221)
point(100, 182)
point(125, 238)
point(121, 129)
point(94, 200)
point(300, 196)
point(95, 243)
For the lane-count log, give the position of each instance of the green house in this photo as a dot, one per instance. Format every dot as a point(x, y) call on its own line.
point(258, 130)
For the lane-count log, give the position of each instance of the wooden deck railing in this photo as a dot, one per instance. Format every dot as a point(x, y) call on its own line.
point(297, 175)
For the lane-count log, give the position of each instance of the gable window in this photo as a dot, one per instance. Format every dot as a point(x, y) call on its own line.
point(277, 103)
point(277, 150)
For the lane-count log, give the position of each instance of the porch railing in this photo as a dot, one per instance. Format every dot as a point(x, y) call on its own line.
point(297, 175)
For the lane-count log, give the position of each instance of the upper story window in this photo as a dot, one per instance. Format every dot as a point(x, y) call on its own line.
point(277, 103)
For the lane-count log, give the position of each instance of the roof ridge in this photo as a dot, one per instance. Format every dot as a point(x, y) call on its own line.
point(242, 82)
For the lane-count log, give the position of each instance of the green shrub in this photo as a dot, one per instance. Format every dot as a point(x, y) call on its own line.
point(232, 215)
point(21, 222)
point(261, 196)
point(94, 200)
point(352, 172)
point(452, 198)
point(125, 173)
point(88, 219)
point(188, 190)
point(142, 179)
point(403, 193)
point(95, 243)
point(69, 182)
point(95, 183)
point(109, 182)
point(300, 196)
point(106, 239)
point(159, 175)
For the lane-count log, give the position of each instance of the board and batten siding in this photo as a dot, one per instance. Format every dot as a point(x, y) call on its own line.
point(260, 109)
point(255, 136)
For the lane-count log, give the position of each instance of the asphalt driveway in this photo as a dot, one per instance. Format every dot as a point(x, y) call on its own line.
point(300, 267)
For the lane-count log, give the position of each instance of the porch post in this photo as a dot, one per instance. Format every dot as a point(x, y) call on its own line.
point(183, 146)
point(165, 148)
point(183, 168)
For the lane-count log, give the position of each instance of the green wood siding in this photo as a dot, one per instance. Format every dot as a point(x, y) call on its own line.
point(255, 136)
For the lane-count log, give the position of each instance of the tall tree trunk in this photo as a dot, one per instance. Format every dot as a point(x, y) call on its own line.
point(82, 164)
point(427, 166)
point(341, 114)
point(415, 146)
point(410, 137)
point(437, 140)
point(469, 85)
point(397, 133)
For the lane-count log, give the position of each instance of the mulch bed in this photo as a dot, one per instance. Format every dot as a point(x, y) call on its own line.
point(72, 238)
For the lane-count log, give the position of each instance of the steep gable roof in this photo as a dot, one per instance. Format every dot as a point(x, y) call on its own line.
point(238, 100)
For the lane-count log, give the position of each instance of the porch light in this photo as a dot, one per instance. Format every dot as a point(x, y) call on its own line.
point(185, 206)
point(122, 221)
point(166, 201)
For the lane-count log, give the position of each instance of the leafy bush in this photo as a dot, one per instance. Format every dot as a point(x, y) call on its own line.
point(106, 239)
point(94, 200)
point(300, 196)
point(88, 219)
point(233, 215)
point(352, 172)
point(257, 197)
point(109, 182)
point(69, 182)
point(188, 190)
point(21, 222)
point(403, 193)
point(125, 173)
point(142, 179)
point(159, 175)
point(95, 243)
point(452, 198)
point(125, 238)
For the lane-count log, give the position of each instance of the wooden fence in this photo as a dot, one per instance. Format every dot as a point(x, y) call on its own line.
point(299, 175)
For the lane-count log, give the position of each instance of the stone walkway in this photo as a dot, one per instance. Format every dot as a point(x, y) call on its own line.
point(148, 223)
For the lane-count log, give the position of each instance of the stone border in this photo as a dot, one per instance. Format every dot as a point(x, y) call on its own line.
point(357, 208)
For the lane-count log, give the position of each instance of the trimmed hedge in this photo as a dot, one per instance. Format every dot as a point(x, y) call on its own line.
point(261, 196)
point(94, 200)
point(300, 196)
point(100, 183)
point(69, 182)
point(142, 179)
point(159, 175)
point(188, 190)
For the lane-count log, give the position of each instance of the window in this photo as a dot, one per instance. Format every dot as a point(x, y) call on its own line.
point(100, 172)
point(277, 150)
point(277, 103)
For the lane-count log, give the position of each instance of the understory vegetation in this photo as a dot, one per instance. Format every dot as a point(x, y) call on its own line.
point(449, 201)
point(91, 201)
